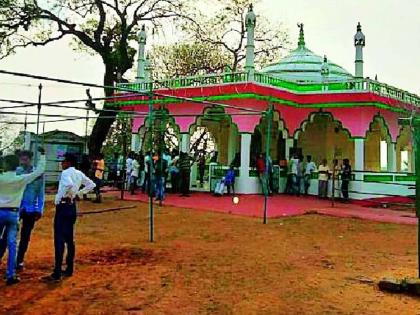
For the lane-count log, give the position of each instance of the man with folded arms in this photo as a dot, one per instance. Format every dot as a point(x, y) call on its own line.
point(12, 187)
point(65, 215)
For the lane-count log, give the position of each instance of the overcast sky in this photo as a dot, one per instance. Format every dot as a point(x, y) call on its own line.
point(392, 29)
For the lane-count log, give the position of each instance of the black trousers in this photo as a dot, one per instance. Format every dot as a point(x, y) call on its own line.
point(28, 223)
point(345, 189)
point(175, 182)
point(229, 187)
point(185, 182)
point(64, 220)
point(201, 171)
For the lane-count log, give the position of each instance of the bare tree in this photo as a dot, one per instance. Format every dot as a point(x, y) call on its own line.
point(106, 28)
point(226, 30)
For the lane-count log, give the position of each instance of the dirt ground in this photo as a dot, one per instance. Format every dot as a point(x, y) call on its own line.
point(210, 263)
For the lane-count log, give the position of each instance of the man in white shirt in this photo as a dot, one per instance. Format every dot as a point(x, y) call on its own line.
point(65, 215)
point(135, 170)
point(129, 168)
point(310, 167)
point(12, 187)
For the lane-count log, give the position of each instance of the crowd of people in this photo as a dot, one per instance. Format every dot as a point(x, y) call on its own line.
point(151, 172)
point(22, 193)
point(300, 173)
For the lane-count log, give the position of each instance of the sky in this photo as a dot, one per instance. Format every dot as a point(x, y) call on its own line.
point(391, 27)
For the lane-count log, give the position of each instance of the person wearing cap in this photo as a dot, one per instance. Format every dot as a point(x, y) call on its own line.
point(71, 180)
point(12, 187)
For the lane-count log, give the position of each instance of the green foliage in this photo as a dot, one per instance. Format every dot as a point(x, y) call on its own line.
point(118, 140)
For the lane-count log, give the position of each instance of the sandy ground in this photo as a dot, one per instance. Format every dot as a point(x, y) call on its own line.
point(212, 263)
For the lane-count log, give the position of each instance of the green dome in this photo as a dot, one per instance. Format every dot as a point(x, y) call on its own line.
point(303, 65)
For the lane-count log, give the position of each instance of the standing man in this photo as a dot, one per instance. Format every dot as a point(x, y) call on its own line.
point(129, 168)
point(12, 187)
point(310, 167)
point(30, 210)
point(99, 164)
point(323, 176)
point(261, 174)
point(135, 171)
point(65, 214)
point(345, 179)
point(161, 171)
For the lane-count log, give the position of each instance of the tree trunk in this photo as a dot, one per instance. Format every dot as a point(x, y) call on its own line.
point(102, 125)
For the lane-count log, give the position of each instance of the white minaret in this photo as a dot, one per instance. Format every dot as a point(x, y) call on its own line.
point(359, 43)
point(141, 61)
point(250, 22)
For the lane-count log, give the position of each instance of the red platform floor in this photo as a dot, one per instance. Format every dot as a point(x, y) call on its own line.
point(280, 206)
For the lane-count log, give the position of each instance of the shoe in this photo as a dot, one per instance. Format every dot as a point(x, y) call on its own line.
point(52, 278)
point(67, 273)
point(13, 280)
point(19, 267)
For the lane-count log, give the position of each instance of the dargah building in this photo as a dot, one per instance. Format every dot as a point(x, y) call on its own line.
point(318, 109)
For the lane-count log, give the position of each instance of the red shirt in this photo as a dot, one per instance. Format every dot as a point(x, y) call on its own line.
point(260, 166)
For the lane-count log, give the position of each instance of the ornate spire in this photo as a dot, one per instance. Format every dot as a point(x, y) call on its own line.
point(325, 68)
point(301, 42)
point(250, 18)
point(359, 38)
point(142, 35)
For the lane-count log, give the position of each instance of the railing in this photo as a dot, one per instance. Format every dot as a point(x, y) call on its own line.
point(305, 86)
point(193, 81)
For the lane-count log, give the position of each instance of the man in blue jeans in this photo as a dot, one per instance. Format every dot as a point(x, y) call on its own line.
point(30, 210)
point(12, 187)
point(65, 215)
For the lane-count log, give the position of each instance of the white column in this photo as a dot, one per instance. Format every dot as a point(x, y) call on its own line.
point(289, 144)
point(245, 153)
point(244, 184)
point(392, 157)
point(185, 142)
point(135, 142)
point(359, 156)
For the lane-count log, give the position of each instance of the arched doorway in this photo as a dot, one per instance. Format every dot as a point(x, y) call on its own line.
point(323, 137)
point(277, 141)
point(213, 132)
point(376, 146)
point(215, 140)
point(404, 150)
point(165, 133)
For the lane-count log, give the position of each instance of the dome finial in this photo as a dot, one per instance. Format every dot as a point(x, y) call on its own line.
point(301, 42)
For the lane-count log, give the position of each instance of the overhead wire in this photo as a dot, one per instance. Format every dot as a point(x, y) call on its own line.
point(119, 88)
